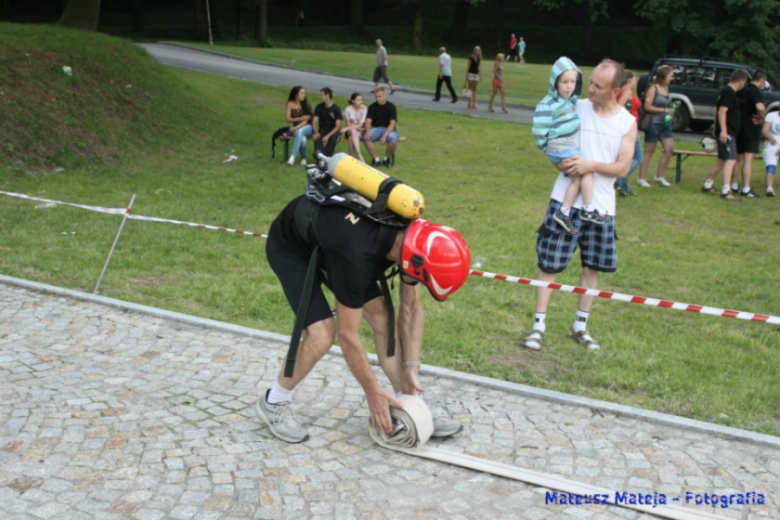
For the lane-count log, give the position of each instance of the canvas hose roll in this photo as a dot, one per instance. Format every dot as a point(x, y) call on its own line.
point(413, 427)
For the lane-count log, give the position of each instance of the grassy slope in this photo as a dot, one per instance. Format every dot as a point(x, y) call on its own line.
point(116, 99)
point(484, 178)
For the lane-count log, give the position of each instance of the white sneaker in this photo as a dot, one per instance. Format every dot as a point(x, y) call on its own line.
point(291, 160)
point(643, 183)
point(303, 162)
point(662, 181)
point(281, 420)
point(770, 192)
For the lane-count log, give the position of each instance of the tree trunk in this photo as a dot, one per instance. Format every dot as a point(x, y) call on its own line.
point(137, 7)
point(356, 15)
point(262, 21)
point(239, 19)
point(418, 24)
point(461, 20)
point(81, 14)
point(201, 24)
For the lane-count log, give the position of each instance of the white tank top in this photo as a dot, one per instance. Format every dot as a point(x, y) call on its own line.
point(599, 141)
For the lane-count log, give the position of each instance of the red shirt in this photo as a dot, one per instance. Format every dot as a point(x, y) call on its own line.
point(634, 109)
point(513, 43)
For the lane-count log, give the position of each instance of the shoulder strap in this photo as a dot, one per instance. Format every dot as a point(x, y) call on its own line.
point(303, 311)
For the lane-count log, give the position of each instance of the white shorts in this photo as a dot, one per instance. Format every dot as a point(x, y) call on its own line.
point(770, 154)
point(473, 77)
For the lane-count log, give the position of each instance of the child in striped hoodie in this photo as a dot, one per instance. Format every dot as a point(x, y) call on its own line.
point(556, 129)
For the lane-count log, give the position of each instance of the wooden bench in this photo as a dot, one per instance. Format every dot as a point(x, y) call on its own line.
point(684, 154)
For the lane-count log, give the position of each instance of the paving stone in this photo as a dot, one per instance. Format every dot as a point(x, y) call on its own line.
point(112, 414)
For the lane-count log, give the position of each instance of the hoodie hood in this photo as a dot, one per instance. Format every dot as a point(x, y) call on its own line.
point(559, 67)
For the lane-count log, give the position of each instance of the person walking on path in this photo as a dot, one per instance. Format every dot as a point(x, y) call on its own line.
point(445, 75)
point(607, 137)
point(498, 83)
point(380, 72)
point(658, 103)
point(727, 123)
point(473, 75)
point(352, 253)
point(521, 49)
point(514, 50)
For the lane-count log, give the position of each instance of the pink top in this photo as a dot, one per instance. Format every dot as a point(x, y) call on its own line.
point(355, 116)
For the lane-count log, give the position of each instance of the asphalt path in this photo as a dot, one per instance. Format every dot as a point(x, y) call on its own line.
point(216, 63)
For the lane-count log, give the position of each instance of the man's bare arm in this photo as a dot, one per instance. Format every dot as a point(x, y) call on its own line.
point(378, 398)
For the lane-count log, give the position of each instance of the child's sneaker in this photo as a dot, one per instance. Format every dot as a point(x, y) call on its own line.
point(565, 222)
point(595, 217)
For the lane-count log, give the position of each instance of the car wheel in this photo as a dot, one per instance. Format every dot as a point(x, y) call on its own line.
point(700, 125)
point(681, 119)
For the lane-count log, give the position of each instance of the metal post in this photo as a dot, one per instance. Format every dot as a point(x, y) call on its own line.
point(208, 18)
point(108, 259)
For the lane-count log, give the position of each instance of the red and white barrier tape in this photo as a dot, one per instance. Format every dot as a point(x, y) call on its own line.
point(122, 211)
point(652, 302)
point(191, 224)
point(642, 300)
point(111, 211)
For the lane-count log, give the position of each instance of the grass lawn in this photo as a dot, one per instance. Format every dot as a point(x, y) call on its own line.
point(484, 178)
point(524, 84)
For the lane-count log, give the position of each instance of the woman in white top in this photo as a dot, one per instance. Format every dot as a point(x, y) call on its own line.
point(771, 132)
point(355, 114)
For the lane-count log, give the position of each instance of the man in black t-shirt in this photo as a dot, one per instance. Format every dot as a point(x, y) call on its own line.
point(727, 123)
point(326, 124)
point(352, 252)
point(753, 110)
point(381, 122)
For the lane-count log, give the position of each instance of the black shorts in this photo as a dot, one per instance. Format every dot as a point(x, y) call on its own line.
point(749, 140)
point(728, 151)
point(381, 73)
point(555, 247)
point(290, 268)
point(514, 52)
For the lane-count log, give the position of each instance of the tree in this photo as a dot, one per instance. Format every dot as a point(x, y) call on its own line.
point(418, 24)
point(262, 21)
point(460, 21)
point(356, 15)
point(137, 7)
point(595, 10)
point(81, 14)
point(734, 30)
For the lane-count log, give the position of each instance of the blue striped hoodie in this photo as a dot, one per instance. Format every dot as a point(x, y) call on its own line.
point(555, 115)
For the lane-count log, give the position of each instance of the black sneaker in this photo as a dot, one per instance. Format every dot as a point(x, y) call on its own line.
point(386, 162)
point(736, 191)
point(435, 99)
point(751, 194)
point(376, 163)
point(595, 217)
point(454, 100)
point(711, 189)
point(621, 190)
point(565, 222)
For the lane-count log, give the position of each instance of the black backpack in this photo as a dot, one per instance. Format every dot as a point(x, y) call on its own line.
point(277, 135)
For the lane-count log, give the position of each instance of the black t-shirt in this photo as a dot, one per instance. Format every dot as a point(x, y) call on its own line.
point(728, 98)
point(381, 115)
point(353, 249)
point(748, 98)
point(327, 117)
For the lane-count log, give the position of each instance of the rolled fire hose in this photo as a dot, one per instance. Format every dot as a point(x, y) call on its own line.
point(413, 426)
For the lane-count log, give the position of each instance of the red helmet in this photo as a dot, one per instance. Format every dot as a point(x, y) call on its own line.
point(435, 255)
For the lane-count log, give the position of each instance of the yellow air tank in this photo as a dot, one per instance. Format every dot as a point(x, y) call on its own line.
point(403, 200)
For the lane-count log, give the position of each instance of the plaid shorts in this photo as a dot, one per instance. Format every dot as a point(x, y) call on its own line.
point(555, 247)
